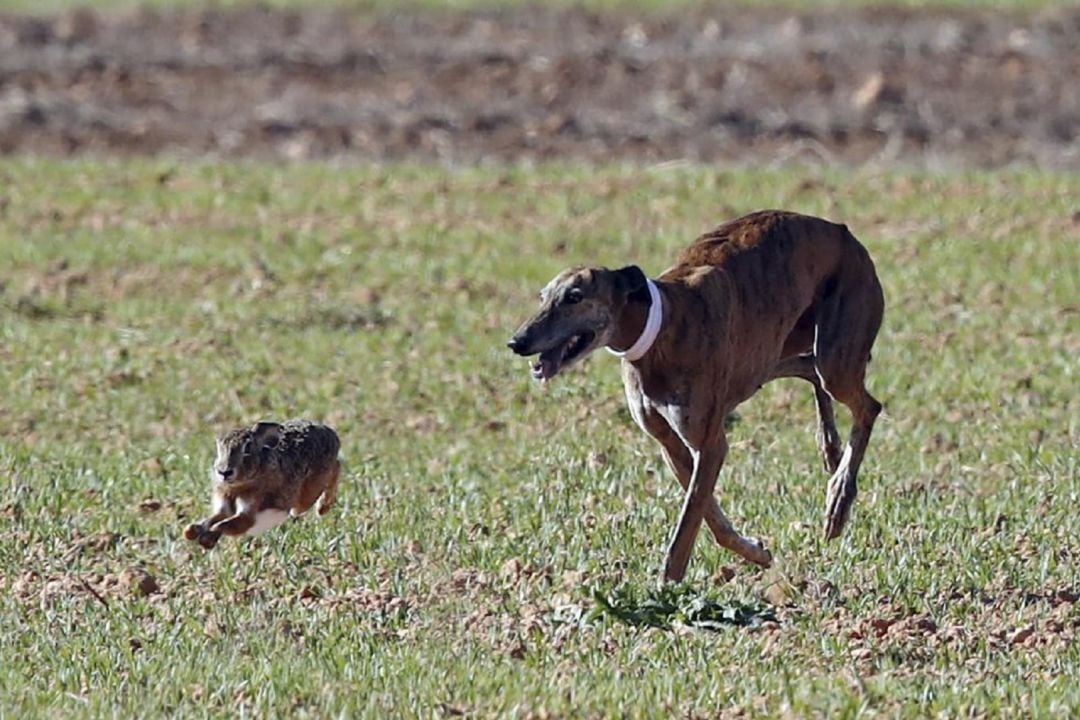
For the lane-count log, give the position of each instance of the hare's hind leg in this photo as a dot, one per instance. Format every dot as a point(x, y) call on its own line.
point(329, 495)
point(321, 487)
point(309, 493)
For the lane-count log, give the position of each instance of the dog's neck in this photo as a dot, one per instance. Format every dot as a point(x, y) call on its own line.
point(641, 321)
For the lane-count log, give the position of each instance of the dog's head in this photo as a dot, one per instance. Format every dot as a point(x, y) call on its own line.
point(579, 312)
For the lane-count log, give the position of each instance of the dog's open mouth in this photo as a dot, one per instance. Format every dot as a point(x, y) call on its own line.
point(552, 361)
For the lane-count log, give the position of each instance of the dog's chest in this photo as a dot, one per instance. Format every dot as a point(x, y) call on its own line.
point(646, 399)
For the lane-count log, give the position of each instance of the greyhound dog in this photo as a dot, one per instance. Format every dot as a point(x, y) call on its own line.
point(770, 295)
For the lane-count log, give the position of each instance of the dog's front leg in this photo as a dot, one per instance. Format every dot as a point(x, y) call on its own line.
point(707, 464)
point(680, 461)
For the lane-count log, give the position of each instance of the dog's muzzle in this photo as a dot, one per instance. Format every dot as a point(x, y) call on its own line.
point(518, 345)
point(552, 359)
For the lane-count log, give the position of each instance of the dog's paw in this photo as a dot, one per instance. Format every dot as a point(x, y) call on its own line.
point(759, 554)
point(673, 572)
point(193, 531)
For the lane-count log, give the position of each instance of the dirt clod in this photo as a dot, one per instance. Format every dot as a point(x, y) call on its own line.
point(723, 575)
point(1020, 636)
point(140, 582)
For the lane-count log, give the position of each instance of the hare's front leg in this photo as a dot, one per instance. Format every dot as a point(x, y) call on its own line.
point(221, 508)
point(249, 521)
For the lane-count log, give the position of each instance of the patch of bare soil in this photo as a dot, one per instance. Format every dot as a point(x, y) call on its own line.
point(1008, 621)
point(958, 88)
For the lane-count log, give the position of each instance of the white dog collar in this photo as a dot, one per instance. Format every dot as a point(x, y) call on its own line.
point(651, 330)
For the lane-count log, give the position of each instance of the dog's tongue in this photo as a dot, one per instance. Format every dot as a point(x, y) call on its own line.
point(547, 365)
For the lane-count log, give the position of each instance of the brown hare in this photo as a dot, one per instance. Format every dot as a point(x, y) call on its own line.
point(266, 472)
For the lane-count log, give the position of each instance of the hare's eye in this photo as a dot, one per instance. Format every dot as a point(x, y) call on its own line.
point(573, 296)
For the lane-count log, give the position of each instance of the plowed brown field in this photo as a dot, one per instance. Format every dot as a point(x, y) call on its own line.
point(956, 88)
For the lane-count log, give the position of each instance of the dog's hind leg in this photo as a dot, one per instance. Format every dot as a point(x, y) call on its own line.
point(843, 483)
point(848, 322)
point(681, 463)
point(804, 366)
point(827, 435)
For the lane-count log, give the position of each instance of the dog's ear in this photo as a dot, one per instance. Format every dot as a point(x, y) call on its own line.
point(633, 282)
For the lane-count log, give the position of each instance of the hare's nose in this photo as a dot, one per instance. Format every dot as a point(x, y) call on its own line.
point(225, 473)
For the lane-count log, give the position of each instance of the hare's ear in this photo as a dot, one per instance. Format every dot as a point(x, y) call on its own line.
point(266, 435)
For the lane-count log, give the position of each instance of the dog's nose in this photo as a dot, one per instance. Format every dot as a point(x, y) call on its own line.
point(516, 343)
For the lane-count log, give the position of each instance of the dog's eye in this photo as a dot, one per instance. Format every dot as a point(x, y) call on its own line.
point(573, 296)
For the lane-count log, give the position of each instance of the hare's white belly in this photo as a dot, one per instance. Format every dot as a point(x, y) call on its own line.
point(264, 519)
point(267, 519)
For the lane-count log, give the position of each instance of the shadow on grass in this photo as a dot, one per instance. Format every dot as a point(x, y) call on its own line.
point(674, 605)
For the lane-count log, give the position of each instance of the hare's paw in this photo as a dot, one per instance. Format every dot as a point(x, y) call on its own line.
point(194, 531)
point(209, 539)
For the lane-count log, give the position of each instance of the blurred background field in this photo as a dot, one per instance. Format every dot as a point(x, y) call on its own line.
point(361, 6)
point(210, 216)
point(753, 85)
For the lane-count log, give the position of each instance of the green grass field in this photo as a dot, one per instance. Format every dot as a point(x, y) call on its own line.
point(145, 305)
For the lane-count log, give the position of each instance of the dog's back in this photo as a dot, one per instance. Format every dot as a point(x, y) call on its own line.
point(773, 261)
point(767, 239)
